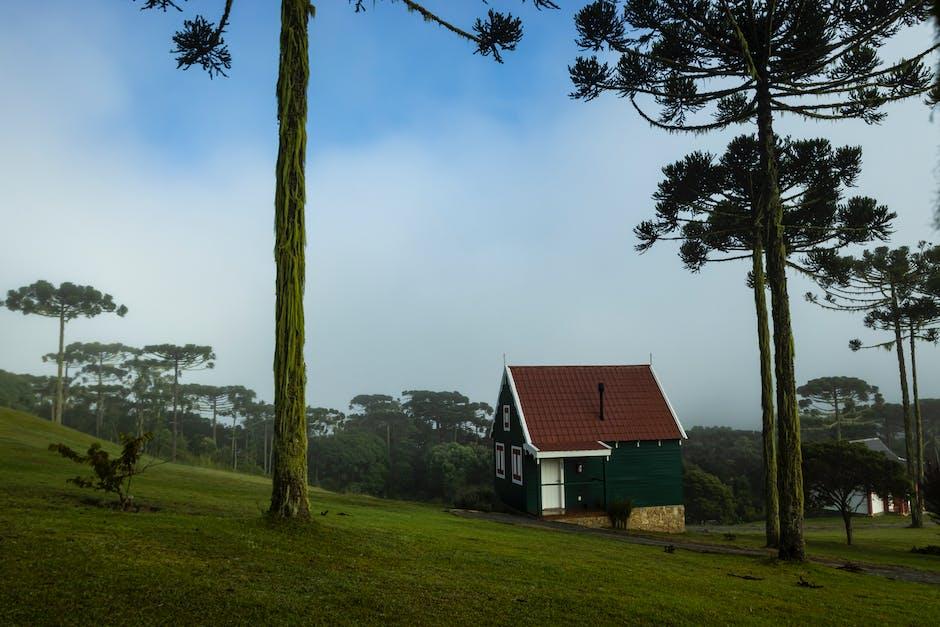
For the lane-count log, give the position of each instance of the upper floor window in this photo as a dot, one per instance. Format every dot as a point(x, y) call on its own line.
point(505, 417)
point(500, 460)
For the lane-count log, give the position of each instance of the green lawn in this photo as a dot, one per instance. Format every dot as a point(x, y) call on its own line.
point(206, 556)
point(883, 539)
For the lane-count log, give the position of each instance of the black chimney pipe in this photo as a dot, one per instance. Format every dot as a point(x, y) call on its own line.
point(600, 392)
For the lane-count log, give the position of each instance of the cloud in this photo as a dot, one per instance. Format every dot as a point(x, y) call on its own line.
point(434, 247)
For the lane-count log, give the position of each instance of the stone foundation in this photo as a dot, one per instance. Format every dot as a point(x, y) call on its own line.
point(662, 518)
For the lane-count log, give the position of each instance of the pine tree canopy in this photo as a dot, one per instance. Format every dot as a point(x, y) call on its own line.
point(819, 58)
point(68, 301)
point(879, 281)
point(709, 202)
point(201, 42)
point(188, 357)
point(826, 392)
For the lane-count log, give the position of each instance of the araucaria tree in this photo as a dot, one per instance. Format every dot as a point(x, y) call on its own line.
point(212, 399)
point(894, 289)
point(710, 204)
point(101, 364)
point(67, 358)
point(831, 397)
point(201, 43)
point(145, 383)
point(240, 402)
point(746, 61)
point(837, 472)
point(66, 302)
point(180, 359)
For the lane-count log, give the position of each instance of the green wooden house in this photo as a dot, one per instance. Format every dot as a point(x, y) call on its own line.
point(569, 440)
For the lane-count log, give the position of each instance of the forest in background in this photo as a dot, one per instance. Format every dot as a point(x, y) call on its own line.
point(424, 445)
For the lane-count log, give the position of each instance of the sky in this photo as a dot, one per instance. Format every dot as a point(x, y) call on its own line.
point(458, 210)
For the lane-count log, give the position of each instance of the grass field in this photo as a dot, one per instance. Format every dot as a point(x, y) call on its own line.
point(207, 556)
point(884, 539)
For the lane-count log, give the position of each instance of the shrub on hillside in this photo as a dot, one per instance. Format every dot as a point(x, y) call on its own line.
point(351, 461)
point(110, 475)
point(706, 497)
point(481, 498)
point(453, 467)
point(618, 512)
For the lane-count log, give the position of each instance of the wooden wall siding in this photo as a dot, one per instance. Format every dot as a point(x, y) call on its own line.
point(524, 498)
point(588, 484)
point(648, 475)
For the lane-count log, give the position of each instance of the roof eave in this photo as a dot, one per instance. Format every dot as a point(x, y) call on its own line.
point(599, 452)
point(518, 403)
point(668, 403)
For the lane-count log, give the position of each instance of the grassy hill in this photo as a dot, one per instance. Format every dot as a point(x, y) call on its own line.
point(206, 555)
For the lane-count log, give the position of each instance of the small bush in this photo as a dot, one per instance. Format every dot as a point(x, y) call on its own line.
point(619, 513)
point(480, 498)
point(111, 475)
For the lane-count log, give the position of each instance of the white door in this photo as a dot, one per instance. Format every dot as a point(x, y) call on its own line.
point(552, 485)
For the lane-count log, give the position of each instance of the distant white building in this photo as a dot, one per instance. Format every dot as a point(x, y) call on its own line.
point(869, 503)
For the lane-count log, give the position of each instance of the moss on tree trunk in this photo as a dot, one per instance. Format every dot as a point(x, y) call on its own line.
point(289, 489)
point(789, 460)
point(768, 420)
point(909, 445)
point(919, 470)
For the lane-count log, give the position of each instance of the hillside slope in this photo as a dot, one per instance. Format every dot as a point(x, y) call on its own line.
point(206, 556)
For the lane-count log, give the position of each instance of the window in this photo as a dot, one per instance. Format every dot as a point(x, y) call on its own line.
point(517, 465)
point(506, 418)
point(500, 460)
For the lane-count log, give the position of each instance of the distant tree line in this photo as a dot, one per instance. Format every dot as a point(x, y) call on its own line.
point(723, 476)
point(425, 445)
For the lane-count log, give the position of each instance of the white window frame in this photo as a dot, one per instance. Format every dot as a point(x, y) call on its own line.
point(500, 451)
point(516, 464)
point(506, 418)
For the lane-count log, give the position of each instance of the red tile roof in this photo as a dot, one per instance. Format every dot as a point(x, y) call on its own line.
point(561, 405)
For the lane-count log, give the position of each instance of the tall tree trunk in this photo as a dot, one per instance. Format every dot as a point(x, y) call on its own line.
point(768, 420)
point(790, 458)
point(215, 405)
point(835, 404)
point(234, 454)
point(289, 484)
point(847, 522)
point(66, 391)
point(264, 450)
point(388, 453)
point(271, 454)
point(176, 378)
point(905, 405)
point(99, 420)
point(60, 358)
point(918, 427)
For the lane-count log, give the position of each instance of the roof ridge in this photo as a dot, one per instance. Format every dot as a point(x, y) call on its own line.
point(578, 365)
